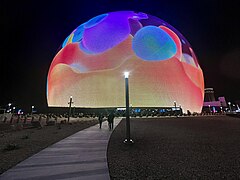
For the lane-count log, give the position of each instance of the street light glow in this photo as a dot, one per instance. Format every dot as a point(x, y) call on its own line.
point(126, 74)
point(32, 107)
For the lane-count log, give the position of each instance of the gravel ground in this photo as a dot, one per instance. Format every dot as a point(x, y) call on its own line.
point(27, 142)
point(177, 148)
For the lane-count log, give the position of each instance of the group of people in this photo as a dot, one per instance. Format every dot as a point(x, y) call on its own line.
point(110, 120)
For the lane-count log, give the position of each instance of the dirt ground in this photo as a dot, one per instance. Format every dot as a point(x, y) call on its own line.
point(204, 147)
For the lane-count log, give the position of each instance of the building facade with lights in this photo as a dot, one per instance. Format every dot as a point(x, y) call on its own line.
point(211, 104)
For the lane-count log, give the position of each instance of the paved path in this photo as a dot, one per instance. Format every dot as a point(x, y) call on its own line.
point(80, 156)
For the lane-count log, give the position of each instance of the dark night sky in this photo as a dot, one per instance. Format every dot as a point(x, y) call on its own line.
point(32, 32)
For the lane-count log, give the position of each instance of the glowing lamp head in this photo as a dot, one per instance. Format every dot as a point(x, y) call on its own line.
point(32, 107)
point(9, 104)
point(126, 74)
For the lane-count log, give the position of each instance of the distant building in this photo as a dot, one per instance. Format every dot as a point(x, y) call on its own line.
point(209, 95)
point(210, 104)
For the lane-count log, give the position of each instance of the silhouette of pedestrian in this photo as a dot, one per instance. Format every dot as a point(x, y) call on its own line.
point(100, 120)
point(111, 120)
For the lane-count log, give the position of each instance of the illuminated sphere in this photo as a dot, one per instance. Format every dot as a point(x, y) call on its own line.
point(91, 63)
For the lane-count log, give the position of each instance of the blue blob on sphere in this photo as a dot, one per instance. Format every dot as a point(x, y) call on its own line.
point(152, 43)
point(94, 21)
point(78, 33)
point(65, 42)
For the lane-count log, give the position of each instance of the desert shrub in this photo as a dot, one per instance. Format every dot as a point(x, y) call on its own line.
point(25, 137)
point(11, 147)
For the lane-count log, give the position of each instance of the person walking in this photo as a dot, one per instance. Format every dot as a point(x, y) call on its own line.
point(111, 120)
point(100, 120)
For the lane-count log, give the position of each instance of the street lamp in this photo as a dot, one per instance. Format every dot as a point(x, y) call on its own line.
point(70, 106)
point(32, 110)
point(13, 109)
point(238, 107)
point(221, 109)
point(234, 107)
point(9, 107)
point(175, 104)
point(229, 103)
point(175, 107)
point(128, 140)
point(209, 106)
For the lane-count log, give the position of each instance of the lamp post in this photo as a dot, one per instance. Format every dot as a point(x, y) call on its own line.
point(32, 113)
point(175, 107)
point(9, 107)
point(70, 106)
point(209, 106)
point(238, 107)
point(32, 110)
point(221, 109)
point(234, 107)
point(229, 103)
point(128, 140)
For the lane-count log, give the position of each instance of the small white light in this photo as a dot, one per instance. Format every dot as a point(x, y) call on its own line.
point(126, 74)
point(32, 107)
point(70, 97)
point(13, 107)
point(9, 104)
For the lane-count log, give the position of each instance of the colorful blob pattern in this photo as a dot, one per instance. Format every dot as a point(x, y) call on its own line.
point(163, 67)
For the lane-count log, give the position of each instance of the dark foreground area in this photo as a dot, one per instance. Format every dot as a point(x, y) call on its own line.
point(177, 148)
point(17, 145)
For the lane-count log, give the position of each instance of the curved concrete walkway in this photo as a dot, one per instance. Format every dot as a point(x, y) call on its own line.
point(80, 156)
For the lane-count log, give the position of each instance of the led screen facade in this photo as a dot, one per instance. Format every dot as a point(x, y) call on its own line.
point(91, 63)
